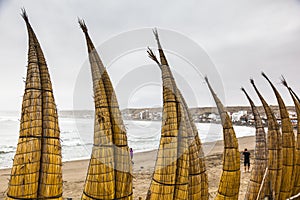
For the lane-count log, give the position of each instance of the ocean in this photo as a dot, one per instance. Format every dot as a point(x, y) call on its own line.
point(77, 130)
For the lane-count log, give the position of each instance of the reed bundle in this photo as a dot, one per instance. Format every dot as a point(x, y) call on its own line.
point(37, 166)
point(260, 157)
point(109, 173)
point(230, 178)
point(296, 100)
point(288, 147)
point(274, 144)
point(198, 180)
point(180, 168)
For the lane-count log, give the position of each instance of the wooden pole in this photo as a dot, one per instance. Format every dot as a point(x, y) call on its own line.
point(262, 184)
point(294, 197)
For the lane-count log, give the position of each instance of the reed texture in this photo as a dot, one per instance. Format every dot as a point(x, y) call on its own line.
point(180, 169)
point(37, 166)
point(288, 147)
point(296, 100)
point(230, 178)
point(109, 173)
point(274, 144)
point(260, 156)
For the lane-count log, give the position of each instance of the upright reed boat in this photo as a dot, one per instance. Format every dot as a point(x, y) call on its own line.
point(180, 169)
point(230, 178)
point(109, 173)
point(288, 147)
point(260, 157)
point(37, 165)
point(274, 150)
point(296, 100)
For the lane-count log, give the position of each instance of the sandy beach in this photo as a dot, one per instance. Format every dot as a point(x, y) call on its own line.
point(74, 172)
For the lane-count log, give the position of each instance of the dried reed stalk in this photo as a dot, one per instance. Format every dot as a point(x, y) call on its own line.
point(109, 174)
point(37, 166)
point(197, 169)
point(230, 178)
point(180, 168)
point(288, 147)
point(260, 156)
point(296, 186)
point(274, 144)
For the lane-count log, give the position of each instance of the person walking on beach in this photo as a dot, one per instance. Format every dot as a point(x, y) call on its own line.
point(131, 154)
point(246, 159)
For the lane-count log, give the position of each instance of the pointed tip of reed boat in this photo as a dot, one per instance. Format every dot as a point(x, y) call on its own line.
point(206, 79)
point(152, 55)
point(155, 32)
point(284, 82)
point(24, 15)
point(82, 25)
point(265, 76)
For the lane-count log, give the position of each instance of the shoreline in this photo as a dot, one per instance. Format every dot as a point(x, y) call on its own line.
point(74, 172)
point(146, 151)
point(79, 149)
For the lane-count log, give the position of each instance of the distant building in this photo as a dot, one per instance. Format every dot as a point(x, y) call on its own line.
point(213, 116)
point(156, 116)
point(209, 117)
point(145, 114)
point(236, 116)
point(292, 115)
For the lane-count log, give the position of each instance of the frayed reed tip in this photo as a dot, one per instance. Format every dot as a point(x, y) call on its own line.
point(206, 79)
point(152, 55)
point(264, 75)
point(82, 25)
point(24, 15)
point(283, 81)
point(155, 32)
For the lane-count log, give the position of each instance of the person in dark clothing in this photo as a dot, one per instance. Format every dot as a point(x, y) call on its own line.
point(131, 154)
point(246, 159)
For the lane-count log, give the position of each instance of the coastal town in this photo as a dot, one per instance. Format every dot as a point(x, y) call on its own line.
point(240, 115)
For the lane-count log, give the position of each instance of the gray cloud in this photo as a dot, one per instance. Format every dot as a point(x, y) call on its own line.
point(242, 38)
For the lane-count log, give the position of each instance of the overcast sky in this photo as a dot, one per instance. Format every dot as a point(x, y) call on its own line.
point(230, 41)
